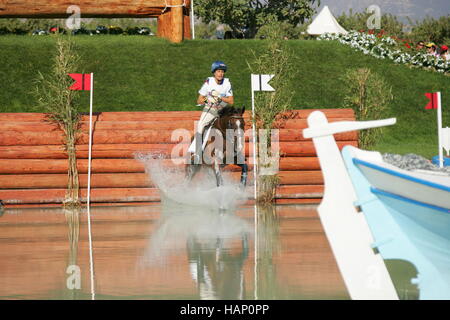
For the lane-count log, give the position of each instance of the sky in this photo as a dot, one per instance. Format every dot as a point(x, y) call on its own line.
point(415, 9)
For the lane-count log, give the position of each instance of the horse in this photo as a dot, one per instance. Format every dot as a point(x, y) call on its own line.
point(230, 121)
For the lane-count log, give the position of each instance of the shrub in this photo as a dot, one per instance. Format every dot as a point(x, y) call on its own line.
point(369, 96)
point(54, 96)
point(358, 21)
point(433, 30)
point(285, 30)
point(275, 59)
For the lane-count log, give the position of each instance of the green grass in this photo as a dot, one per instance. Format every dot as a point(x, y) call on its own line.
point(135, 73)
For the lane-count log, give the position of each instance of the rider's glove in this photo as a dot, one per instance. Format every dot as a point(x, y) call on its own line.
point(213, 98)
point(216, 96)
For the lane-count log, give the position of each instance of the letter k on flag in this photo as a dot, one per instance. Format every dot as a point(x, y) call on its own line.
point(260, 82)
point(82, 81)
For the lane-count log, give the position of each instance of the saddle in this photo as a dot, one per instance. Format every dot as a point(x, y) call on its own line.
point(207, 129)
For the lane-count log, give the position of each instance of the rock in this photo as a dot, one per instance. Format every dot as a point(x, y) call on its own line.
point(413, 161)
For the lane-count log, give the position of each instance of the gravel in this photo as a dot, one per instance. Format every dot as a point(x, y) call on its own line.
point(413, 161)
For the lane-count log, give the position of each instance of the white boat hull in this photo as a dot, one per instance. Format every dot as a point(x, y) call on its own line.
point(427, 188)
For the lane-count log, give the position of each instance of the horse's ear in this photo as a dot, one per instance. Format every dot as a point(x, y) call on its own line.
point(243, 110)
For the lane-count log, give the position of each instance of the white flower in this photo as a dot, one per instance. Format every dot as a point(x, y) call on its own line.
point(381, 49)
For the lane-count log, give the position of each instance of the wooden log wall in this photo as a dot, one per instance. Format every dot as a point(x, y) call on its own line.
point(173, 15)
point(33, 163)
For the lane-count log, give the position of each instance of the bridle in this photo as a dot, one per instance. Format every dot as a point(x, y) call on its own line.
point(229, 123)
point(230, 126)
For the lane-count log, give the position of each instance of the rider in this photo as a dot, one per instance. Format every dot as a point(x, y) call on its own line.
point(214, 95)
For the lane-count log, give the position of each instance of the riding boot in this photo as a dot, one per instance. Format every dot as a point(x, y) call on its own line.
point(244, 174)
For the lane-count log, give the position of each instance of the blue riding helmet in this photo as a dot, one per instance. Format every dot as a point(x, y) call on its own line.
point(218, 65)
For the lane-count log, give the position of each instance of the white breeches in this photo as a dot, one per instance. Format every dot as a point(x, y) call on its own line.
point(205, 119)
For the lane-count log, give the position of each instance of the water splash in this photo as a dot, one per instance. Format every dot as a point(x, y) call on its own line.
point(201, 191)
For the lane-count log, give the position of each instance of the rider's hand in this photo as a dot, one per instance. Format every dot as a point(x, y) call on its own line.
point(213, 99)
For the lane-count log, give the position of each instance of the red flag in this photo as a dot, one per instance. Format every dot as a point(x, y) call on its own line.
point(82, 81)
point(433, 104)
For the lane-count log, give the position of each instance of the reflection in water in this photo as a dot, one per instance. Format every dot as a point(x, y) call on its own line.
point(402, 272)
point(168, 251)
point(73, 282)
point(267, 246)
point(216, 269)
point(217, 244)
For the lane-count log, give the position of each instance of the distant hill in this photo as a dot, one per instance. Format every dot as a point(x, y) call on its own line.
point(415, 9)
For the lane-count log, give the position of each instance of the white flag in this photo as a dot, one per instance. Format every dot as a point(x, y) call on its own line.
point(260, 82)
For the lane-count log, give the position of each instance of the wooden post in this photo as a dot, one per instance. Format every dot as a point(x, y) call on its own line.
point(177, 22)
point(170, 23)
point(163, 25)
point(187, 20)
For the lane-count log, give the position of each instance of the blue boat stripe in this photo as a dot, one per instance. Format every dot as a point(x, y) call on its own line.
point(401, 198)
point(401, 175)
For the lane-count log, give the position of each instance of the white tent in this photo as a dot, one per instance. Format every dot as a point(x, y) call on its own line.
point(325, 22)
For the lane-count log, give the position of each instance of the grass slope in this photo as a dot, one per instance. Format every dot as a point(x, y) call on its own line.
point(136, 73)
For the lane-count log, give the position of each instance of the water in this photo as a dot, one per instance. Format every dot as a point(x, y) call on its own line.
point(171, 251)
point(201, 242)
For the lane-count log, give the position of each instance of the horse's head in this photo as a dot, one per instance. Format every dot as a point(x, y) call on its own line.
point(232, 118)
point(232, 127)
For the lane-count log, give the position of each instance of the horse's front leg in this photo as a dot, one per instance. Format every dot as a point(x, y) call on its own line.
point(244, 170)
point(191, 171)
point(217, 170)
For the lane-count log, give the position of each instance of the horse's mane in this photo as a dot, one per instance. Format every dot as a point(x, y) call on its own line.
point(229, 111)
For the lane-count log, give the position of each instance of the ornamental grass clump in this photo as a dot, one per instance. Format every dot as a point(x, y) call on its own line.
point(369, 96)
point(59, 102)
point(276, 59)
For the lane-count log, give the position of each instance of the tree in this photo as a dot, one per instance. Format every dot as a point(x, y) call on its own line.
point(246, 17)
point(435, 30)
point(358, 21)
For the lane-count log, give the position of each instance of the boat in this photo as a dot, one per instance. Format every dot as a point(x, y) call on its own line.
point(398, 214)
point(408, 214)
